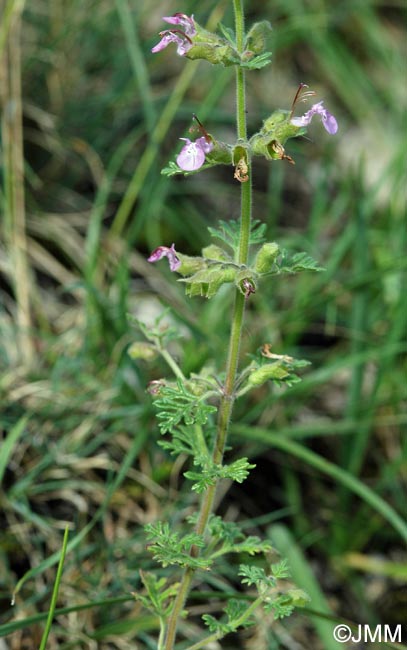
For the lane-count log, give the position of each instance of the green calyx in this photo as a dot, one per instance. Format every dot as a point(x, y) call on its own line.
point(266, 257)
point(278, 126)
point(213, 252)
point(190, 264)
point(208, 281)
point(276, 130)
point(258, 38)
point(218, 50)
point(240, 152)
point(221, 153)
point(211, 47)
point(266, 372)
point(205, 275)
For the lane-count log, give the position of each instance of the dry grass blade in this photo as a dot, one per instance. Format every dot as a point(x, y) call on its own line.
point(12, 136)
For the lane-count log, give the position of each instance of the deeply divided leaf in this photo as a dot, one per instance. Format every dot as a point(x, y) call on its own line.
point(170, 548)
point(176, 405)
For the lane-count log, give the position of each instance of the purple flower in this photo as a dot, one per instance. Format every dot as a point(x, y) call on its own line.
point(181, 38)
point(164, 251)
point(187, 22)
point(178, 37)
point(192, 154)
point(328, 120)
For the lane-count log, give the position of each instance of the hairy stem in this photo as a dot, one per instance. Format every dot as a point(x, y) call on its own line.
point(228, 398)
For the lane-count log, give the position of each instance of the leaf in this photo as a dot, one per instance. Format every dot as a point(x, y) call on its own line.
point(169, 548)
point(234, 611)
point(178, 404)
point(297, 263)
point(184, 441)
point(203, 480)
point(257, 62)
point(228, 34)
point(229, 232)
point(252, 575)
point(227, 531)
point(235, 608)
point(159, 596)
point(237, 471)
point(172, 169)
point(281, 569)
point(251, 545)
point(281, 607)
point(214, 625)
point(210, 473)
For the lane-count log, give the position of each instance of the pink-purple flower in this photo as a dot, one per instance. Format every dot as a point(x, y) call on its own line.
point(192, 154)
point(170, 253)
point(187, 22)
point(181, 38)
point(328, 120)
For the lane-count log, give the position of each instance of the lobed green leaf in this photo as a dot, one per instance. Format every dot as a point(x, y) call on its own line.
point(178, 404)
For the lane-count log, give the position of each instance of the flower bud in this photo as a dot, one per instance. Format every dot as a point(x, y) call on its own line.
point(279, 127)
point(211, 47)
point(213, 252)
point(266, 257)
point(266, 372)
point(190, 265)
point(142, 350)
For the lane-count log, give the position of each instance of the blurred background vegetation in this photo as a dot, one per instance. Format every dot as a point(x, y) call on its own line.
point(89, 118)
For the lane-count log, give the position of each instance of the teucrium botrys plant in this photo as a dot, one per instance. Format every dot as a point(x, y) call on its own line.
point(196, 411)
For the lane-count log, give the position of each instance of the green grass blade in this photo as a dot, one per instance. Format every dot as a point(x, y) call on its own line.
point(8, 444)
point(55, 590)
point(12, 8)
point(330, 469)
point(121, 475)
point(20, 624)
point(137, 62)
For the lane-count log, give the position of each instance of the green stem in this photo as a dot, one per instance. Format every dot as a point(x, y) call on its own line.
point(172, 364)
point(55, 590)
point(228, 398)
point(161, 638)
point(178, 607)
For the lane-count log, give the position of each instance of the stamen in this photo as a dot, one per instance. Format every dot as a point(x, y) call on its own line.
point(301, 96)
point(202, 128)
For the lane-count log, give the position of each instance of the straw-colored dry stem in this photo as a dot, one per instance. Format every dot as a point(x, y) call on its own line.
point(13, 165)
